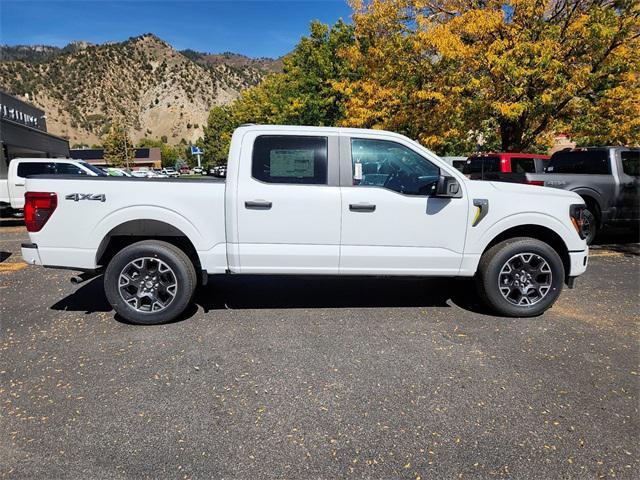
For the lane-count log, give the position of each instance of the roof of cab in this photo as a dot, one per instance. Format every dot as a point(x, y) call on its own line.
point(328, 130)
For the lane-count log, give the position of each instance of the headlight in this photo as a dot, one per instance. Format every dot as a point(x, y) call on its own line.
point(576, 212)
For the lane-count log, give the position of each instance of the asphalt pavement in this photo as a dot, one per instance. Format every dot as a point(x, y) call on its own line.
point(320, 378)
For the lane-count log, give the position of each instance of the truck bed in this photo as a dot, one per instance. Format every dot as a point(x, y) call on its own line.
point(90, 208)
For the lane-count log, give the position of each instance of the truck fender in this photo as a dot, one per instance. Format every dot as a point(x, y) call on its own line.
point(525, 219)
point(147, 212)
point(592, 193)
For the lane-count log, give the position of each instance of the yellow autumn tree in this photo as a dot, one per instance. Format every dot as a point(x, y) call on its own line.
point(517, 70)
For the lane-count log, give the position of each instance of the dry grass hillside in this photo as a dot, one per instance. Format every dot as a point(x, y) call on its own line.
point(143, 82)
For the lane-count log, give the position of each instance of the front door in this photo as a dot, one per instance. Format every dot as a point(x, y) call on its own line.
point(391, 221)
point(288, 205)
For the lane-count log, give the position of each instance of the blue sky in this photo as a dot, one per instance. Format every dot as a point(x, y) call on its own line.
point(255, 28)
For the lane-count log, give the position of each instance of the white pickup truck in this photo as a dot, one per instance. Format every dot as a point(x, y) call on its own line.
point(12, 188)
point(308, 200)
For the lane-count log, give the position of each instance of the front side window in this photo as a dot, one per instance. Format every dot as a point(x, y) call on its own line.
point(290, 159)
point(380, 163)
point(35, 168)
point(631, 162)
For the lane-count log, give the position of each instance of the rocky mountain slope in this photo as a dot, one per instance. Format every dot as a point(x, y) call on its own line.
point(143, 83)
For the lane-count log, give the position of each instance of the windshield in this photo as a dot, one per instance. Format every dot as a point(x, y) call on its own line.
point(95, 170)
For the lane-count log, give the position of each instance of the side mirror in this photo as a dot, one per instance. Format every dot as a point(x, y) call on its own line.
point(448, 187)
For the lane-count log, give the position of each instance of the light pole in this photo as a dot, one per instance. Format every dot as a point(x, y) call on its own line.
point(126, 153)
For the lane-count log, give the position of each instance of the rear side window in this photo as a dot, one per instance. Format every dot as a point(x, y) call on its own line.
point(594, 162)
point(523, 165)
point(290, 159)
point(482, 164)
point(631, 162)
point(35, 168)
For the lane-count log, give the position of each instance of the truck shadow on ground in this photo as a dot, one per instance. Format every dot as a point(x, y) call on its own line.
point(286, 292)
point(618, 240)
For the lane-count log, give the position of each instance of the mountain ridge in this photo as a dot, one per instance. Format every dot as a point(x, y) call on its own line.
point(142, 82)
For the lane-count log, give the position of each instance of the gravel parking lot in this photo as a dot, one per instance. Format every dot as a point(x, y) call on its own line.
point(273, 377)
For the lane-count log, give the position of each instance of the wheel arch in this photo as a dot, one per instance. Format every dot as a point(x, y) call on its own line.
point(539, 232)
point(132, 231)
point(591, 199)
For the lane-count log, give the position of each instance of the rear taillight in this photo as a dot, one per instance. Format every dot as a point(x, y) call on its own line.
point(38, 207)
point(539, 183)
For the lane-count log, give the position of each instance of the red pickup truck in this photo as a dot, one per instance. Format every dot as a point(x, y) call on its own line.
point(505, 167)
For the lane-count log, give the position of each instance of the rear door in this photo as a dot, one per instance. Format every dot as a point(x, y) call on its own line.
point(288, 204)
point(23, 170)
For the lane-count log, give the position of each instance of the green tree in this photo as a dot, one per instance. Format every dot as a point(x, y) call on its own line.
point(118, 149)
point(303, 94)
point(217, 135)
point(169, 155)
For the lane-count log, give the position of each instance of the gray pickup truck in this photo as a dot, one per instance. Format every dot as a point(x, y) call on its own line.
point(607, 178)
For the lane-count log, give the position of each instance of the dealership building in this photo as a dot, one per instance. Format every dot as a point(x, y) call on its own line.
point(23, 133)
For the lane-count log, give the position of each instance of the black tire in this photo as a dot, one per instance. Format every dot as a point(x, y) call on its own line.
point(152, 252)
point(593, 225)
point(489, 276)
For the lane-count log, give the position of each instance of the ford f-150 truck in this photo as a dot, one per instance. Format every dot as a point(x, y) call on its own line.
point(607, 179)
point(312, 201)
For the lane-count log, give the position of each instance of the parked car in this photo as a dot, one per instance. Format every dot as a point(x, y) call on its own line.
point(506, 167)
point(12, 188)
point(198, 171)
point(117, 172)
point(170, 172)
point(309, 201)
point(606, 178)
point(184, 170)
point(219, 171)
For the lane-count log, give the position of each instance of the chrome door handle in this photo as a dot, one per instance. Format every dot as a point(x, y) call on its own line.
point(258, 205)
point(362, 207)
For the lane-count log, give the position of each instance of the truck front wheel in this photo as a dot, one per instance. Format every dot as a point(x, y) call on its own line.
point(520, 277)
point(150, 282)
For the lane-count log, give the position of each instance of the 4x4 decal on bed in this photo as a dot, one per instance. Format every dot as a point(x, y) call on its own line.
point(76, 197)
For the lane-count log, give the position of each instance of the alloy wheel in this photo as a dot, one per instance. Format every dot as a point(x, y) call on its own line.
point(525, 279)
point(147, 284)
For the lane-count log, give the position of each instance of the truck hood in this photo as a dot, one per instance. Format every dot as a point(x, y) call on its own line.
point(519, 188)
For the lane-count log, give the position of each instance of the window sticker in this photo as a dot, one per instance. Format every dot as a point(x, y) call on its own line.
point(291, 163)
point(357, 175)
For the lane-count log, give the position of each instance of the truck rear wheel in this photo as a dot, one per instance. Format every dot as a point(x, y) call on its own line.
point(150, 282)
point(520, 277)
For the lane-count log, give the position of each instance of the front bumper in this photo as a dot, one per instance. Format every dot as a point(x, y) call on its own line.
point(30, 254)
point(578, 262)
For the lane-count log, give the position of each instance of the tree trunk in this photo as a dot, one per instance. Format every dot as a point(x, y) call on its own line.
point(511, 135)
